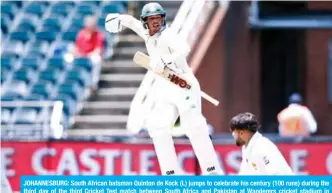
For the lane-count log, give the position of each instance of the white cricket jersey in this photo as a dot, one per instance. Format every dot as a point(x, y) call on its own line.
point(166, 46)
point(262, 157)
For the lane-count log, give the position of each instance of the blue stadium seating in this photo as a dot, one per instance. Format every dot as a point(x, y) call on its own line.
point(5, 23)
point(8, 9)
point(36, 8)
point(17, 90)
point(56, 63)
point(112, 8)
point(42, 89)
point(70, 36)
point(13, 49)
point(34, 97)
point(86, 9)
point(24, 74)
point(78, 22)
point(52, 24)
point(79, 76)
point(38, 48)
point(7, 63)
point(69, 105)
point(49, 75)
point(30, 68)
point(4, 74)
point(84, 63)
point(5, 115)
point(47, 35)
point(30, 62)
point(60, 9)
point(22, 36)
point(26, 116)
point(71, 89)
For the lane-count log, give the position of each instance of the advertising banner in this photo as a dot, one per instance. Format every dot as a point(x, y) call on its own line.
point(95, 158)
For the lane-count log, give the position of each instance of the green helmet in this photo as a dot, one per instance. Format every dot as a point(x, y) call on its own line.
point(151, 9)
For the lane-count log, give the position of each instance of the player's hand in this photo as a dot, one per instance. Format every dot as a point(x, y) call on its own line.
point(171, 65)
point(113, 23)
point(157, 65)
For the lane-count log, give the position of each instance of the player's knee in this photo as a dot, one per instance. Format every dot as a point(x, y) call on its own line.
point(157, 130)
point(194, 124)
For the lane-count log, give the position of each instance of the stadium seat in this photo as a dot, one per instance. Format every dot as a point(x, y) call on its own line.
point(52, 23)
point(11, 96)
point(86, 9)
point(17, 89)
point(22, 36)
point(78, 22)
point(34, 97)
point(13, 49)
point(112, 8)
point(18, 4)
point(49, 75)
point(60, 8)
point(5, 24)
point(28, 23)
point(26, 116)
point(5, 115)
point(36, 8)
point(78, 76)
point(84, 63)
point(4, 75)
point(30, 62)
point(37, 49)
point(8, 9)
point(70, 36)
point(69, 105)
point(7, 63)
point(23, 74)
point(101, 22)
point(65, 3)
point(93, 2)
point(71, 89)
point(42, 89)
point(56, 63)
point(48, 36)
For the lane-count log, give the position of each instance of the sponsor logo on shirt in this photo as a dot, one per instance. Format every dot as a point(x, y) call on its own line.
point(266, 160)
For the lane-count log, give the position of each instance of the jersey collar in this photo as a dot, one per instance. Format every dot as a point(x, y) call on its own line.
point(253, 140)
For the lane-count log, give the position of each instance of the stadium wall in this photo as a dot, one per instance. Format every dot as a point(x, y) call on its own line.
point(230, 69)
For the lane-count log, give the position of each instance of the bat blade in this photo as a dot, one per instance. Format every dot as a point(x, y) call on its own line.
point(142, 59)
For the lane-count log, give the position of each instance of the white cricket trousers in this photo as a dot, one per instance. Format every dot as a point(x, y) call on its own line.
point(171, 102)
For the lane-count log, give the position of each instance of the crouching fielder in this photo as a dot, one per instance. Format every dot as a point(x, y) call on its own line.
point(165, 48)
point(260, 156)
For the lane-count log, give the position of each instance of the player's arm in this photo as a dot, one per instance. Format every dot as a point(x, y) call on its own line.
point(242, 170)
point(268, 160)
point(178, 47)
point(114, 23)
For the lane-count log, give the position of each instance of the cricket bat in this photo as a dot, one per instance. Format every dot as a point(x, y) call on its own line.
point(143, 60)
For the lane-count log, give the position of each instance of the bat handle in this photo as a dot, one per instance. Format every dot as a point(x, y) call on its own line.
point(209, 98)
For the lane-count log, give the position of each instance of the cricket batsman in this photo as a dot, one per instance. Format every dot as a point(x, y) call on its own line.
point(166, 48)
point(260, 156)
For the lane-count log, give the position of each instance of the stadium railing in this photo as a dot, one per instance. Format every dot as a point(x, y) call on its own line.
point(33, 120)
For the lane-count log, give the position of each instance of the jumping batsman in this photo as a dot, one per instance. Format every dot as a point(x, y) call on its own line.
point(166, 48)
